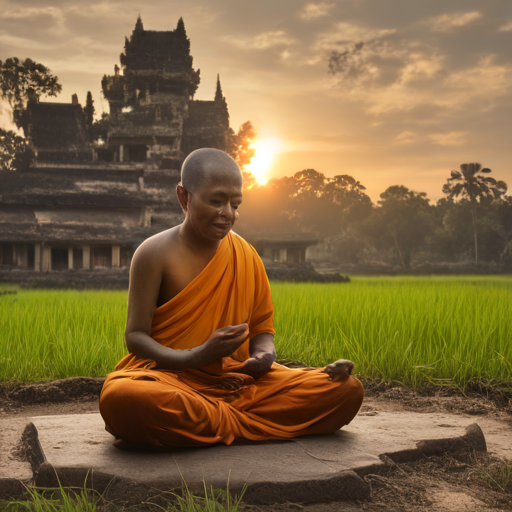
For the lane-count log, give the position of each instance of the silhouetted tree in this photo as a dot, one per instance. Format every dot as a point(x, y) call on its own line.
point(503, 226)
point(306, 202)
point(468, 182)
point(14, 153)
point(89, 111)
point(325, 205)
point(310, 184)
point(242, 153)
point(452, 237)
point(402, 222)
point(495, 232)
point(25, 81)
point(100, 128)
point(269, 208)
point(350, 196)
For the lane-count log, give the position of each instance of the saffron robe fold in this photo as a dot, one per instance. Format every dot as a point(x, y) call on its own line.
point(153, 407)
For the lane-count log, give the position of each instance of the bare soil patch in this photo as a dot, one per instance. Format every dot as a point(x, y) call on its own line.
point(75, 389)
point(455, 483)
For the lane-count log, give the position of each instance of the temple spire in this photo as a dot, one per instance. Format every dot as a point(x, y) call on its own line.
point(218, 93)
point(180, 28)
point(139, 27)
point(181, 33)
point(221, 104)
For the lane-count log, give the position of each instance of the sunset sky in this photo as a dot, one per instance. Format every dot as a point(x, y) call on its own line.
point(388, 91)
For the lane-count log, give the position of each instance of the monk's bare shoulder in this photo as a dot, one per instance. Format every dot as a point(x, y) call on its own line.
point(147, 273)
point(159, 266)
point(155, 250)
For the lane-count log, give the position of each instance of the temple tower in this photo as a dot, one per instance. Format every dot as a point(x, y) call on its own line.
point(151, 101)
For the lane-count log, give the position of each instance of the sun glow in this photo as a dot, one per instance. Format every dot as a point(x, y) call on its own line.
point(262, 161)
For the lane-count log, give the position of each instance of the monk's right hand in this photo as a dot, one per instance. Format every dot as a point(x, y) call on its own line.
point(223, 342)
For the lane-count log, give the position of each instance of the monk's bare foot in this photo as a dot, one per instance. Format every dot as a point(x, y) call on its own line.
point(125, 446)
point(340, 370)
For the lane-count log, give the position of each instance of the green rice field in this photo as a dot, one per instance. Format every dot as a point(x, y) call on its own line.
point(413, 330)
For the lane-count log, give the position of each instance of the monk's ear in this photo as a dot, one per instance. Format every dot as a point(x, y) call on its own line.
point(183, 197)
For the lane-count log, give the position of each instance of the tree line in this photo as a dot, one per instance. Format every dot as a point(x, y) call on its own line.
point(472, 223)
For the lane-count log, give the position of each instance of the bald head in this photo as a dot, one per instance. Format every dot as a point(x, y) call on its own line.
point(208, 166)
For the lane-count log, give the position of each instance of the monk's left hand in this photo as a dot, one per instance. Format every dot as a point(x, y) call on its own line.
point(257, 365)
point(340, 370)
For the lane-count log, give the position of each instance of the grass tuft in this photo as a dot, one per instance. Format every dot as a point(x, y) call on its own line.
point(210, 500)
point(497, 476)
point(73, 499)
point(61, 499)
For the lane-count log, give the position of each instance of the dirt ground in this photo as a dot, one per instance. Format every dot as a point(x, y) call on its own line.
point(456, 482)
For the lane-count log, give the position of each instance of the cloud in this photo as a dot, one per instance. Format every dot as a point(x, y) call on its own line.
point(103, 9)
point(90, 45)
point(262, 41)
point(31, 13)
point(382, 62)
point(313, 11)
point(449, 138)
point(387, 71)
point(202, 14)
point(506, 28)
point(319, 145)
point(344, 33)
point(448, 22)
point(420, 66)
point(479, 87)
point(406, 137)
point(353, 51)
point(481, 84)
point(24, 43)
point(82, 64)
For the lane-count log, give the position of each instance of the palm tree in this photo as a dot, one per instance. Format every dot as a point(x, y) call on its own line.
point(468, 182)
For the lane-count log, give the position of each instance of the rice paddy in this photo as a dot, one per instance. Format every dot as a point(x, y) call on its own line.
point(413, 330)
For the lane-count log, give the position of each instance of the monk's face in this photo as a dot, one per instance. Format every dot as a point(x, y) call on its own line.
point(212, 209)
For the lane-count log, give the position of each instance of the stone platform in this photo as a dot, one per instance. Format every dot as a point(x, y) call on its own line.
point(74, 449)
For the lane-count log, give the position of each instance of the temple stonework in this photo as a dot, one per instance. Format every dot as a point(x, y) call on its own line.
point(85, 205)
point(153, 113)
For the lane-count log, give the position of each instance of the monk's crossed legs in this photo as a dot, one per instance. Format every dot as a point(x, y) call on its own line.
point(282, 404)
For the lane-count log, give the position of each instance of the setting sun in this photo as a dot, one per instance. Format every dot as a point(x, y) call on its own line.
point(261, 162)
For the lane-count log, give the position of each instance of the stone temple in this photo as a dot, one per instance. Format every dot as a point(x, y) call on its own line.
point(85, 205)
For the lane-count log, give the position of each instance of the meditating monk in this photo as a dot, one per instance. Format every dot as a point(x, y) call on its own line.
point(201, 367)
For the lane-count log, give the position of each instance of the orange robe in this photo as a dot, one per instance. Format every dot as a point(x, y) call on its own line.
point(154, 407)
